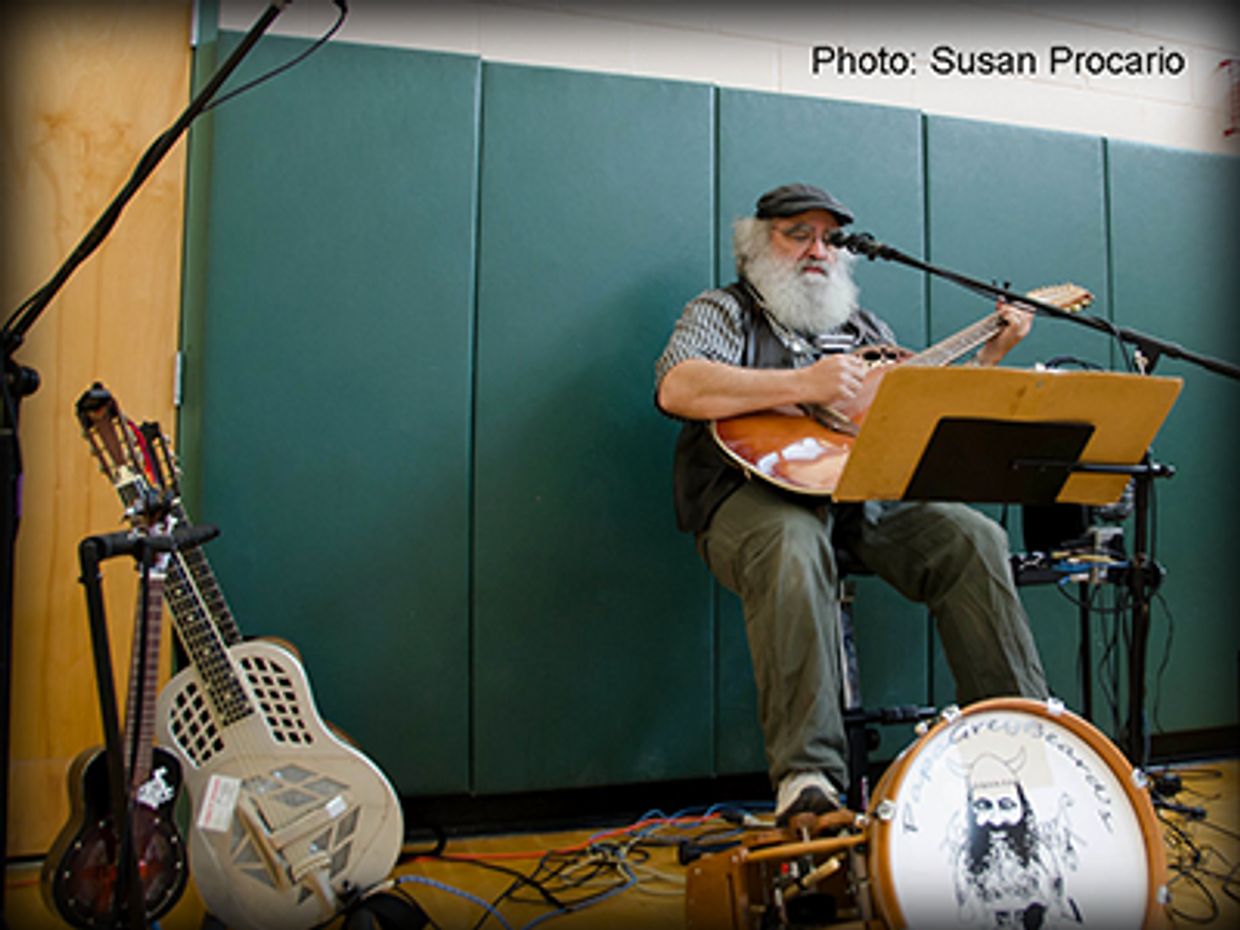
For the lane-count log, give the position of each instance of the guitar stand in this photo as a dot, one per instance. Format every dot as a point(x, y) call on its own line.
point(128, 897)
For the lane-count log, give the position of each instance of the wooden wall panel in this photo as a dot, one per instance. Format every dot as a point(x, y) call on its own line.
point(86, 89)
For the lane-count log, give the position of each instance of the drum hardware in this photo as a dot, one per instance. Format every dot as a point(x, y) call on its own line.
point(796, 876)
point(1007, 809)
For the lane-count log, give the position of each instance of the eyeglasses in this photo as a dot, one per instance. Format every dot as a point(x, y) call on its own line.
point(803, 234)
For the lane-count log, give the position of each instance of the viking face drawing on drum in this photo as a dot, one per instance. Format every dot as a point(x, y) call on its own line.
point(1008, 867)
point(1015, 814)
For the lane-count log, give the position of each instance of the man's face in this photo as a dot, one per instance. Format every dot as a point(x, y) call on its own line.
point(996, 807)
point(801, 240)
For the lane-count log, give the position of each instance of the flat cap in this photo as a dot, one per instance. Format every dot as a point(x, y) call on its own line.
point(790, 199)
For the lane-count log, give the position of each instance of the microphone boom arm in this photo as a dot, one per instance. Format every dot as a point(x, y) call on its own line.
point(1149, 346)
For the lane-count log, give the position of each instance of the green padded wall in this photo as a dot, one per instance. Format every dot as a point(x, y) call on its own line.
point(592, 647)
point(1026, 208)
point(1176, 259)
point(331, 382)
point(870, 157)
point(424, 297)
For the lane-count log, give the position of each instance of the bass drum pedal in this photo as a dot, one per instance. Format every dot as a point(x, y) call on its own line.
point(806, 875)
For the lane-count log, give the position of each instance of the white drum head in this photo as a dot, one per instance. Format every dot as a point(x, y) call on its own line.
point(1017, 815)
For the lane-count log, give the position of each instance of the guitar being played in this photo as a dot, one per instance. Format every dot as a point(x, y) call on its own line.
point(792, 423)
point(804, 448)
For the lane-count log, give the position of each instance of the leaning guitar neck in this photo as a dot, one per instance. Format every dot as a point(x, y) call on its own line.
point(143, 677)
point(206, 648)
point(189, 564)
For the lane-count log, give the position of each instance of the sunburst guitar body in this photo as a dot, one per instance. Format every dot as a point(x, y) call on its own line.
point(79, 873)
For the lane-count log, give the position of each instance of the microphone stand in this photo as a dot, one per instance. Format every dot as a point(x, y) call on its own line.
point(18, 381)
point(1143, 573)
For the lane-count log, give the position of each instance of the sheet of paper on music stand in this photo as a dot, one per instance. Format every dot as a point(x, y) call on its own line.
point(1124, 413)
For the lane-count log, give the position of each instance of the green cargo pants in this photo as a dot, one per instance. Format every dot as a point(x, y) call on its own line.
point(779, 557)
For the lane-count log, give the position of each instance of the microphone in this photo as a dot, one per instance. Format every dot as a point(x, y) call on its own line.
point(859, 244)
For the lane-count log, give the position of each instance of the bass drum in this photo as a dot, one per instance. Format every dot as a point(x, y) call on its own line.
point(1015, 813)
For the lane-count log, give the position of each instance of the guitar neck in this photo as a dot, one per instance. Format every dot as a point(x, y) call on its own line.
point(198, 568)
point(958, 344)
point(206, 647)
point(139, 737)
point(143, 470)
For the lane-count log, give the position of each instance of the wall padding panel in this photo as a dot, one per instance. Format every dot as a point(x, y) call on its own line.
point(420, 391)
point(334, 373)
point(1176, 248)
point(1022, 208)
point(593, 657)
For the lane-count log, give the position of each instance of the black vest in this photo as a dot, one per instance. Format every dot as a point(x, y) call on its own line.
point(704, 476)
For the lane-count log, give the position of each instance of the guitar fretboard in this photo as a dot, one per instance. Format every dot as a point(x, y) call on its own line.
point(1063, 296)
point(958, 344)
point(143, 679)
point(205, 645)
point(140, 467)
point(208, 588)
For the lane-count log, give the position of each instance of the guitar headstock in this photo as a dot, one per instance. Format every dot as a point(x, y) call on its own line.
point(136, 459)
point(1067, 296)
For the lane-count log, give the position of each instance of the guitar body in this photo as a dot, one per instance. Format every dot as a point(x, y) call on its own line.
point(794, 451)
point(788, 450)
point(285, 813)
point(79, 873)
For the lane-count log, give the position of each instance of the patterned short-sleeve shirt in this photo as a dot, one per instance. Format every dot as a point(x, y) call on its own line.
point(712, 327)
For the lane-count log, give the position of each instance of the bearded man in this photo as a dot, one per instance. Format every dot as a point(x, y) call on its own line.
point(1007, 870)
point(781, 335)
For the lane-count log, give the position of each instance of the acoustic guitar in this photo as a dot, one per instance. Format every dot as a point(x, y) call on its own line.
point(804, 449)
point(79, 877)
point(288, 819)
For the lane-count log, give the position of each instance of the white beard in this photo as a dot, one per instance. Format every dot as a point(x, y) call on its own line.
point(804, 302)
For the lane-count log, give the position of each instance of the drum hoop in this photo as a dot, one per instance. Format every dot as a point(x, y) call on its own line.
point(892, 779)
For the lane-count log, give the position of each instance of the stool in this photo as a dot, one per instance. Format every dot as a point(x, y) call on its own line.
point(859, 721)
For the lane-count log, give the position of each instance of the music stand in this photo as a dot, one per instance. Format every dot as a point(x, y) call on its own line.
point(997, 435)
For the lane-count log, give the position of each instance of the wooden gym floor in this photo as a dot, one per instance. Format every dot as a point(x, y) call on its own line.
point(612, 878)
